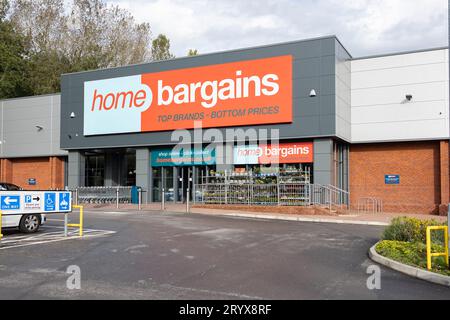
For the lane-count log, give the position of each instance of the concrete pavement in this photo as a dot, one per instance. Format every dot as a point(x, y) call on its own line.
point(352, 217)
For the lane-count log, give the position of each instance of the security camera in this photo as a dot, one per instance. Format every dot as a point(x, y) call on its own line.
point(409, 97)
point(312, 93)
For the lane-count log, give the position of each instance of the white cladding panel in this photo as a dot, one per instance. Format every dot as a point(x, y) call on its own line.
point(380, 111)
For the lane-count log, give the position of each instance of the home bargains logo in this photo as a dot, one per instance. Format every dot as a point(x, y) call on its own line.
point(301, 152)
point(233, 94)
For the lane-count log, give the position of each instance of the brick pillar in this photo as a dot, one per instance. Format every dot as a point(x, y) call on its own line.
point(6, 170)
point(444, 177)
point(56, 173)
point(52, 171)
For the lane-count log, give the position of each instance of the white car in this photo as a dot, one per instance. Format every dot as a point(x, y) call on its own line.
point(26, 223)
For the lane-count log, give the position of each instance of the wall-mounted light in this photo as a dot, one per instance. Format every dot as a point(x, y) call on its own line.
point(312, 93)
point(409, 97)
point(39, 128)
point(72, 115)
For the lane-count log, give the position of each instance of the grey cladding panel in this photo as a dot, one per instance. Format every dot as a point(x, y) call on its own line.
point(314, 68)
point(20, 134)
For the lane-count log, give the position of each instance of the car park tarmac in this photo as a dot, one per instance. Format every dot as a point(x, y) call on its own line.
point(156, 255)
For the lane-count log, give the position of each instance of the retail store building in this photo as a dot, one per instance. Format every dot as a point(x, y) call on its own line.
point(374, 126)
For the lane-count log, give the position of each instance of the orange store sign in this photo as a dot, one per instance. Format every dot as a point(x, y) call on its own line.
point(231, 94)
point(301, 152)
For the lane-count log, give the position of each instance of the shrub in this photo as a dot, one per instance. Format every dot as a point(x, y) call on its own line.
point(412, 230)
point(414, 254)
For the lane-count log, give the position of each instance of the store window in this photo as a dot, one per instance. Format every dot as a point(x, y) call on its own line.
point(130, 160)
point(157, 184)
point(95, 170)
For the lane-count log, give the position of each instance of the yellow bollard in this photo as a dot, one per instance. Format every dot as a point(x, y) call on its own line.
point(428, 248)
point(80, 224)
point(437, 254)
point(1, 225)
point(81, 221)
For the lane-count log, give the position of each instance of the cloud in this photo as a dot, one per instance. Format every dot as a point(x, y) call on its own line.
point(365, 27)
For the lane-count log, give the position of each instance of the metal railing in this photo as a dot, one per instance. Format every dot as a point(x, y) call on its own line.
point(328, 195)
point(283, 194)
point(101, 195)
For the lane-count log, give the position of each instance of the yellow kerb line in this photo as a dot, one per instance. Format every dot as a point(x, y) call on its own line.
point(437, 254)
point(80, 224)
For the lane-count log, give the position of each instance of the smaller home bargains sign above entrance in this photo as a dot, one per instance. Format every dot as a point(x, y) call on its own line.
point(301, 152)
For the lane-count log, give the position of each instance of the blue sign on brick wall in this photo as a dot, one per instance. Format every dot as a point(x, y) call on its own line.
point(392, 179)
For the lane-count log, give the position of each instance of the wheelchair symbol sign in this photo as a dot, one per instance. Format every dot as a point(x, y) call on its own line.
point(49, 202)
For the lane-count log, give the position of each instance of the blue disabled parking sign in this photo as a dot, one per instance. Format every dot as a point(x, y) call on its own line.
point(50, 202)
point(10, 202)
point(64, 199)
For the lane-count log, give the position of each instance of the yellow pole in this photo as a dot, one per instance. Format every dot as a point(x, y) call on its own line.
point(1, 225)
point(446, 245)
point(428, 248)
point(81, 221)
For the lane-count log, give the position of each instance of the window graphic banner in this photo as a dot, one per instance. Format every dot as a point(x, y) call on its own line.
point(182, 157)
point(232, 94)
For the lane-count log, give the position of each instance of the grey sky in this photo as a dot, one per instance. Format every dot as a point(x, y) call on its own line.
point(365, 27)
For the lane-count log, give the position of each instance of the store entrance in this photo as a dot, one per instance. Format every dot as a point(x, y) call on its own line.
point(177, 180)
point(184, 183)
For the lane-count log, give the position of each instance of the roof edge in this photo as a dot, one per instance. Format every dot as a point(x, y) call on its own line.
point(400, 53)
point(32, 97)
point(213, 53)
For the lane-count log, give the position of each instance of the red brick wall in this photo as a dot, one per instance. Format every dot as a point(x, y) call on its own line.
point(419, 167)
point(48, 172)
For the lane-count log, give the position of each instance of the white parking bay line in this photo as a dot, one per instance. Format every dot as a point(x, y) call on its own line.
point(15, 242)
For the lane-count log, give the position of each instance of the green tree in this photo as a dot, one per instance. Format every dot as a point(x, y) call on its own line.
point(4, 6)
point(42, 39)
point(192, 52)
point(161, 48)
point(13, 65)
point(79, 35)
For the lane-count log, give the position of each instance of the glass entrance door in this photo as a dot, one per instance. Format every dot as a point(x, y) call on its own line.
point(184, 183)
point(168, 186)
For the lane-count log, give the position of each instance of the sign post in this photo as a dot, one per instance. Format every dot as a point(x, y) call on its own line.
point(65, 224)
